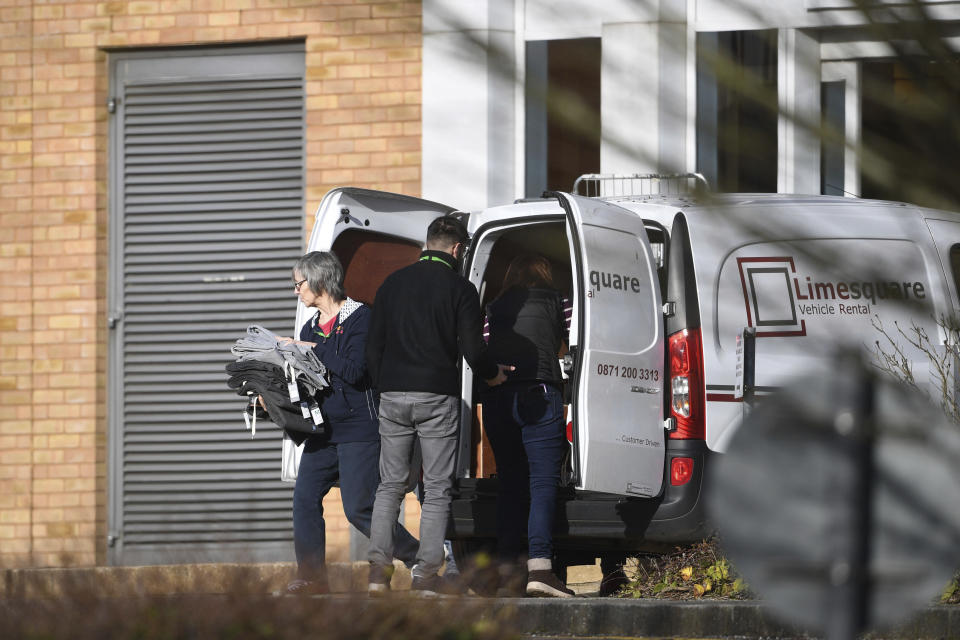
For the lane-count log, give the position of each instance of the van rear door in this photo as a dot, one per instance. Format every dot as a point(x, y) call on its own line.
point(617, 398)
point(374, 233)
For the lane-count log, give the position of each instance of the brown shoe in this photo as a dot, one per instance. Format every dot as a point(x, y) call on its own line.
point(541, 583)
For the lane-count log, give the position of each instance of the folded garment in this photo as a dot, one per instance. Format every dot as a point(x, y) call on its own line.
point(253, 378)
point(262, 344)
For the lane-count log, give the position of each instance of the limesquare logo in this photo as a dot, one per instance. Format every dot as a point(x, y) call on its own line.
point(779, 300)
point(768, 296)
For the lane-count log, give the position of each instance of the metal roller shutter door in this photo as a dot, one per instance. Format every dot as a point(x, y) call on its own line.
point(206, 213)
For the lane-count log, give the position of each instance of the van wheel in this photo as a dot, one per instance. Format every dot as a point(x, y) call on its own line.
point(476, 561)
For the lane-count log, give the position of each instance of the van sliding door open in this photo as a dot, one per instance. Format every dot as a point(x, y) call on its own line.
point(617, 399)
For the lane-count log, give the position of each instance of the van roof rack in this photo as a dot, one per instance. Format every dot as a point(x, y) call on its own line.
point(603, 185)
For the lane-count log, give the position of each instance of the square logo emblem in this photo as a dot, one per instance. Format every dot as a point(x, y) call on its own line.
point(768, 296)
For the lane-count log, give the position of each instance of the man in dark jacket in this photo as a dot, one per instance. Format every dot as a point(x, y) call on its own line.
point(424, 317)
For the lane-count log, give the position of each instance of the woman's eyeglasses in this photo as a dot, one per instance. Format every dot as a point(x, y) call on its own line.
point(296, 285)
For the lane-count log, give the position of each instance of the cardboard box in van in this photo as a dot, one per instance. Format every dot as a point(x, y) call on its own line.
point(661, 286)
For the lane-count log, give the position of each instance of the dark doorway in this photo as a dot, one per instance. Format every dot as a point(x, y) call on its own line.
point(562, 113)
point(736, 123)
point(909, 118)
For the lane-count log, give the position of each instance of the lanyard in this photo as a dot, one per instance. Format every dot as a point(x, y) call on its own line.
point(335, 327)
point(435, 259)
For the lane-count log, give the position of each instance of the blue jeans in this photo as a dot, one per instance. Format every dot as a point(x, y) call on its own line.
point(433, 419)
point(524, 423)
point(322, 464)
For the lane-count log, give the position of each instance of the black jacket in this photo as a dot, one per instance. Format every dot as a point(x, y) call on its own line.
point(425, 315)
point(527, 330)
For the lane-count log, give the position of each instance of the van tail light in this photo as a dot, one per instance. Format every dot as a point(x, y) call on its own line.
point(570, 432)
point(681, 470)
point(686, 384)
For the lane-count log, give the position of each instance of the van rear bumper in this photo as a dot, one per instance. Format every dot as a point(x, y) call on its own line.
point(587, 520)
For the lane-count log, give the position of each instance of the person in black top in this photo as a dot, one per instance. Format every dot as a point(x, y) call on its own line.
point(523, 419)
point(349, 450)
point(424, 317)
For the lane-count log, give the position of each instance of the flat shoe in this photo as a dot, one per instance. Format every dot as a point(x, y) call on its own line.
point(300, 587)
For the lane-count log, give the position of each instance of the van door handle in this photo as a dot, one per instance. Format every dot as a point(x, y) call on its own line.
point(636, 389)
point(568, 361)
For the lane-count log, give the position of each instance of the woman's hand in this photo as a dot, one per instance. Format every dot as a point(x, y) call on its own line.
point(299, 342)
point(501, 376)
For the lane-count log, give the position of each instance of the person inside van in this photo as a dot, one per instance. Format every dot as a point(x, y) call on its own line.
point(349, 451)
point(523, 419)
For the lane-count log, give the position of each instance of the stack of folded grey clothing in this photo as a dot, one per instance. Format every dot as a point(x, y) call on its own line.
point(286, 376)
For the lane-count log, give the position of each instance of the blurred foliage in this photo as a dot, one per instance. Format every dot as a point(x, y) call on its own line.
point(951, 595)
point(76, 609)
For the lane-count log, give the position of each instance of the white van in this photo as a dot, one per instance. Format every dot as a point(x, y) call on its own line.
point(661, 286)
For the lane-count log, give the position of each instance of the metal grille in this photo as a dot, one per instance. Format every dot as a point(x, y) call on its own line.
point(211, 174)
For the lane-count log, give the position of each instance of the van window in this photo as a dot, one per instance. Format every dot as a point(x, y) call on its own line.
point(368, 258)
point(955, 267)
point(657, 237)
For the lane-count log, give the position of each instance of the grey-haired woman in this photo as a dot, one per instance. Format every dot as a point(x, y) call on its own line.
point(349, 451)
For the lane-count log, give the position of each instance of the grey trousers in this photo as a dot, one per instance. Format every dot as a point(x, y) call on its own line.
point(404, 417)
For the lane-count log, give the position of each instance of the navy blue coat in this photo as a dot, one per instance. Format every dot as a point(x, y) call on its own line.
point(350, 405)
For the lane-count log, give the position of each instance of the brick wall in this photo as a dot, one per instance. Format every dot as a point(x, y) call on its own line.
point(363, 128)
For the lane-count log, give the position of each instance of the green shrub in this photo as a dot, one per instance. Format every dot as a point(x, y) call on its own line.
point(696, 571)
point(951, 595)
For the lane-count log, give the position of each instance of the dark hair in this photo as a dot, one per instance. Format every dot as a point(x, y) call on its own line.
point(446, 231)
point(323, 272)
point(529, 270)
